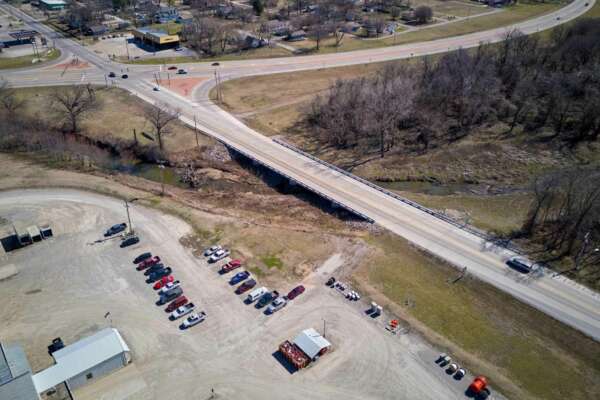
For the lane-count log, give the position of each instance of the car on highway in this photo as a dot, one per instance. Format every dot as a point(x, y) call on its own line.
point(520, 264)
point(142, 257)
point(218, 255)
point(295, 292)
point(212, 250)
point(276, 305)
point(244, 287)
point(153, 277)
point(178, 302)
point(154, 268)
point(124, 76)
point(181, 311)
point(113, 230)
point(172, 68)
point(193, 319)
point(266, 299)
point(129, 241)
point(240, 276)
point(156, 89)
point(163, 281)
point(231, 265)
point(147, 263)
point(215, 64)
point(182, 71)
point(111, 74)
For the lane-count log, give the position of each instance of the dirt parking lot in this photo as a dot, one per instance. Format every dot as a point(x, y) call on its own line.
point(66, 285)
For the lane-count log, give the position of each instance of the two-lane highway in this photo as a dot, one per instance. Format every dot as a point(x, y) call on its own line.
point(558, 297)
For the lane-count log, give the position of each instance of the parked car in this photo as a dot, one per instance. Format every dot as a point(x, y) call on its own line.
point(172, 67)
point(181, 311)
point(142, 257)
point(193, 319)
point(131, 240)
point(520, 264)
point(330, 282)
point(231, 265)
point(249, 284)
point(111, 75)
point(267, 298)
point(256, 294)
point(154, 268)
point(218, 255)
point(459, 374)
point(163, 281)
point(295, 292)
point(156, 89)
point(182, 71)
point(178, 302)
point(168, 288)
point(211, 250)
point(169, 296)
point(240, 276)
point(148, 263)
point(113, 230)
point(124, 76)
point(276, 305)
point(153, 277)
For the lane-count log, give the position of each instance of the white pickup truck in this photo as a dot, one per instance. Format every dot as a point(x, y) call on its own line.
point(181, 311)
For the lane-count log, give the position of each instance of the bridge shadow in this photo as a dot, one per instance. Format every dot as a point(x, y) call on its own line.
point(284, 186)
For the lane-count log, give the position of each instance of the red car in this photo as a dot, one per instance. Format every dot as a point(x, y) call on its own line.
point(175, 304)
point(147, 263)
point(172, 67)
point(163, 281)
point(244, 287)
point(295, 292)
point(231, 265)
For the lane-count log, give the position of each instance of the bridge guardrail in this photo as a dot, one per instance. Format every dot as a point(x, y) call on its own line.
point(465, 227)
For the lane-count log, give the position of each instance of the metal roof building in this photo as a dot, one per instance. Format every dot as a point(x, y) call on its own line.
point(15, 374)
point(85, 360)
point(312, 343)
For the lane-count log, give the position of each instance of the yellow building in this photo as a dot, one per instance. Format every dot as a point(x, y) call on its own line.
point(157, 39)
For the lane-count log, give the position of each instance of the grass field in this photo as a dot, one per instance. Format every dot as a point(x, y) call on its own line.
point(28, 61)
point(530, 354)
point(118, 114)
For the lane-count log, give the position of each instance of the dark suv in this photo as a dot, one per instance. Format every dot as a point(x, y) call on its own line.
point(131, 240)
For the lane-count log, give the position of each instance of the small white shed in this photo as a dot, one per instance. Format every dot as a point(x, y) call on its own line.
point(312, 343)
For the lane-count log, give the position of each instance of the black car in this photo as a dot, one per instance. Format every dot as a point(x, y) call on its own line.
point(158, 274)
point(154, 268)
point(267, 298)
point(142, 257)
point(124, 76)
point(113, 230)
point(520, 264)
point(131, 240)
point(111, 75)
point(330, 282)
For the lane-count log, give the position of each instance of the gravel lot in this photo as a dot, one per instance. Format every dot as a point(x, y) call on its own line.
point(65, 286)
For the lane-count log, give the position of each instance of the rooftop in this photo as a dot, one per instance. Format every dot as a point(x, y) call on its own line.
point(80, 356)
point(54, 2)
point(15, 374)
point(311, 342)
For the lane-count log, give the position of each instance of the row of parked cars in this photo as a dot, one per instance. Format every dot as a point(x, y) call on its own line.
point(263, 297)
point(169, 290)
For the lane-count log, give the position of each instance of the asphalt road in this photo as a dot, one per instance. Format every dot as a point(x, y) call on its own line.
point(555, 296)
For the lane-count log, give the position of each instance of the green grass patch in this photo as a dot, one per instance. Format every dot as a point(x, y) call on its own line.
point(272, 261)
point(28, 61)
point(540, 355)
point(256, 271)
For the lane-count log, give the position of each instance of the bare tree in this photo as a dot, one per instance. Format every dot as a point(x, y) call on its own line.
point(73, 103)
point(423, 14)
point(161, 116)
point(8, 99)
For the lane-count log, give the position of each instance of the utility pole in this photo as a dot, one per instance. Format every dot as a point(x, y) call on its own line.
point(135, 137)
point(217, 87)
point(128, 216)
point(161, 166)
point(196, 132)
point(324, 328)
point(127, 49)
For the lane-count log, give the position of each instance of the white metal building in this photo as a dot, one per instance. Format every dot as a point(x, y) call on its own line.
point(312, 343)
point(85, 360)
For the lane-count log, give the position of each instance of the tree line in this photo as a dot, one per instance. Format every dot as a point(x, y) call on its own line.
point(548, 90)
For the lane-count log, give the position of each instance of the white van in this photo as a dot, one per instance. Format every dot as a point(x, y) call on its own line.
point(256, 293)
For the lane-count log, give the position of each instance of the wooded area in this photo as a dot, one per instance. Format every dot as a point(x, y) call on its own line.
point(550, 91)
